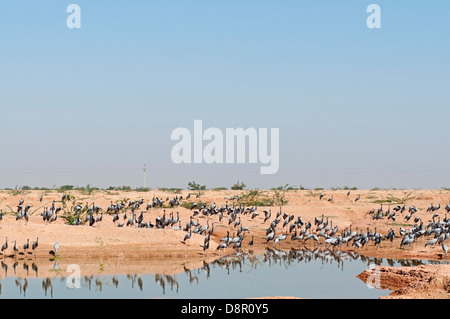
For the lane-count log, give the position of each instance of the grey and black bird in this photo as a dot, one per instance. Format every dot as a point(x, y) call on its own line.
point(15, 247)
point(26, 245)
point(5, 246)
point(35, 244)
point(188, 235)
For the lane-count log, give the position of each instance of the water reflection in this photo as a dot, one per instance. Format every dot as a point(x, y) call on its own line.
point(15, 266)
point(329, 256)
point(47, 286)
point(240, 266)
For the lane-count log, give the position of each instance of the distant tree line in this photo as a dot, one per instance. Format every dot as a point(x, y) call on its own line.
point(194, 186)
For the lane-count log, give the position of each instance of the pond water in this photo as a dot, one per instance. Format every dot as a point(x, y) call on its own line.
point(299, 273)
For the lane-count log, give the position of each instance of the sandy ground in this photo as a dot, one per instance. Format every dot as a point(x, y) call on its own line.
point(110, 249)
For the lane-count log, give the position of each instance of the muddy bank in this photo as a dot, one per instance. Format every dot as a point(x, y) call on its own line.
point(419, 282)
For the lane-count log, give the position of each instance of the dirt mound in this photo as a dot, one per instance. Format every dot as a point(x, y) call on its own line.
point(419, 282)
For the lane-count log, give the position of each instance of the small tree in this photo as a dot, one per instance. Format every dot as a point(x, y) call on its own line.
point(238, 186)
point(64, 188)
point(195, 187)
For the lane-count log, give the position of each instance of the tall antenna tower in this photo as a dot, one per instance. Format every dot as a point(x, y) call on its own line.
point(145, 169)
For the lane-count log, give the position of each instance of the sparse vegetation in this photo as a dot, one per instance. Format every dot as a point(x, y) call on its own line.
point(285, 188)
point(407, 196)
point(193, 186)
point(15, 192)
point(188, 204)
point(67, 213)
point(278, 198)
point(170, 190)
point(311, 194)
point(259, 198)
point(255, 197)
point(120, 188)
point(346, 188)
point(65, 188)
point(88, 190)
point(238, 186)
point(401, 225)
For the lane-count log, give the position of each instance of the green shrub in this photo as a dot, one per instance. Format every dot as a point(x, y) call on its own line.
point(193, 186)
point(238, 186)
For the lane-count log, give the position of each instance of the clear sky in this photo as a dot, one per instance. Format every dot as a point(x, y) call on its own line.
point(355, 106)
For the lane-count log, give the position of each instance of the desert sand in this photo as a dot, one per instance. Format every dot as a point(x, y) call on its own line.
point(150, 250)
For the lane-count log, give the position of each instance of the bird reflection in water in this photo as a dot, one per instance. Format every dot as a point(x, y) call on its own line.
point(239, 262)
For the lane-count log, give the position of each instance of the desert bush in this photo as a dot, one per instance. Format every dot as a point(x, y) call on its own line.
point(259, 198)
point(193, 186)
point(238, 186)
point(170, 190)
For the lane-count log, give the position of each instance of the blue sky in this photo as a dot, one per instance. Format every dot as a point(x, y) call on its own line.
point(355, 106)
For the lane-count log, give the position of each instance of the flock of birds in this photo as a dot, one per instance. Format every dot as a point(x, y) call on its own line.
point(22, 212)
point(25, 246)
point(281, 228)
